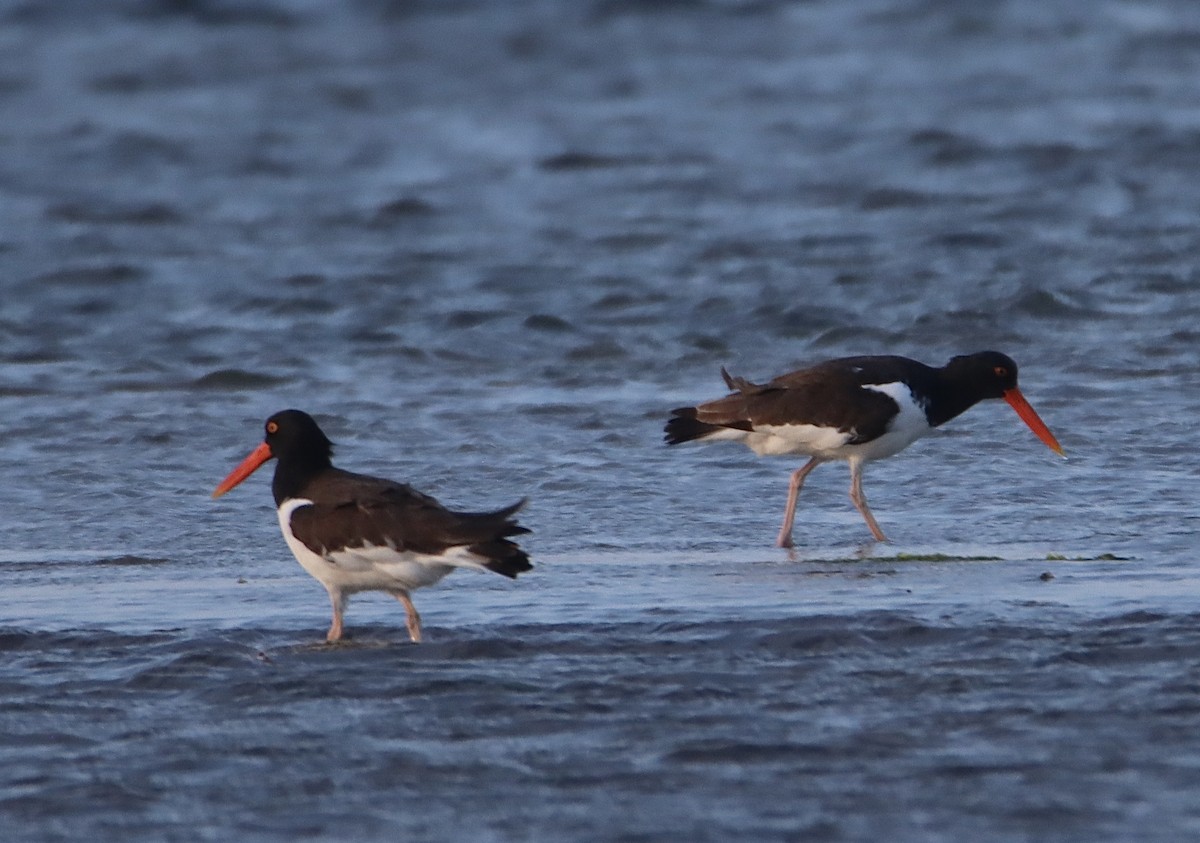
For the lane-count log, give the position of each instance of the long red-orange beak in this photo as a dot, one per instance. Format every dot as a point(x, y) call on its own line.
point(247, 467)
point(1017, 401)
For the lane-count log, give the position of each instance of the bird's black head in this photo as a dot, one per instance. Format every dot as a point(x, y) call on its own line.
point(294, 435)
point(971, 378)
point(295, 440)
point(302, 449)
point(990, 374)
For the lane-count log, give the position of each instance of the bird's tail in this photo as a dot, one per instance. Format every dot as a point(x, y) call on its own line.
point(501, 554)
point(724, 414)
point(683, 426)
point(504, 557)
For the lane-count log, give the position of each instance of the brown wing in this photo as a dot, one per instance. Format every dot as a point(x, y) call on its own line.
point(351, 510)
point(831, 394)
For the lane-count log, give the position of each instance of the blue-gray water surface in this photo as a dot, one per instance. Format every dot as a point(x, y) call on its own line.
point(489, 246)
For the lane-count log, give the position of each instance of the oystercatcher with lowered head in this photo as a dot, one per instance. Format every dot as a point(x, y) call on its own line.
point(856, 409)
point(358, 533)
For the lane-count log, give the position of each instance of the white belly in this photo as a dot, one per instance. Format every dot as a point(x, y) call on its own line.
point(372, 567)
point(827, 443)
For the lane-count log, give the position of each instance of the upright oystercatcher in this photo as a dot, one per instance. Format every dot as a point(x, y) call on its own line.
point(358, 533)
point(855, 409)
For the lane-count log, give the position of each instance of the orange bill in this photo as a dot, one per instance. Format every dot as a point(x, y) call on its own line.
point(247, 467)
point(1017, 401)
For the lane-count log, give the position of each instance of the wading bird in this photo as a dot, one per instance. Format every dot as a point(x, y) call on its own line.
point(358, 533)
point(856, 409)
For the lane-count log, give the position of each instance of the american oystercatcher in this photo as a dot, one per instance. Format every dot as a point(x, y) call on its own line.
point(358, 533)
point(856, 409)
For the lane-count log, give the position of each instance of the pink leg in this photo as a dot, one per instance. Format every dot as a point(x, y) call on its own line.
point(789, 513)
point(860, 500)
point(339, 606)
point(412, 619)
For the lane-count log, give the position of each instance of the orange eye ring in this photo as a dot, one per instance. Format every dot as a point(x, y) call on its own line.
point(1001, 372)
point(272, 427)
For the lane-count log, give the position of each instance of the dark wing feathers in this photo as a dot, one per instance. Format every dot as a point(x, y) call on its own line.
point(830, 394)
point(684, 426)
point(351, 510)
point(737, 384)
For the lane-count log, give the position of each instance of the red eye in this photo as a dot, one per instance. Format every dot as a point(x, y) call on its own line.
point(1001, 372)
point(272, 427)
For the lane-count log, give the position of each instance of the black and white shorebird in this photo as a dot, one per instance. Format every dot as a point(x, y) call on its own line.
point(358, 533)
point(856, 409)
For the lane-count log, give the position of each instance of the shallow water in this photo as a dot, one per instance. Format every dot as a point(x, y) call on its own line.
point(489, 248)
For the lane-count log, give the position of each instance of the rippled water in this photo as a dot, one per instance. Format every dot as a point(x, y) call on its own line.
point(489, 246)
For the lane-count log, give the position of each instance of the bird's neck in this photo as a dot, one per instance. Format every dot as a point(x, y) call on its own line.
point(293, 474)
point(951, 397)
